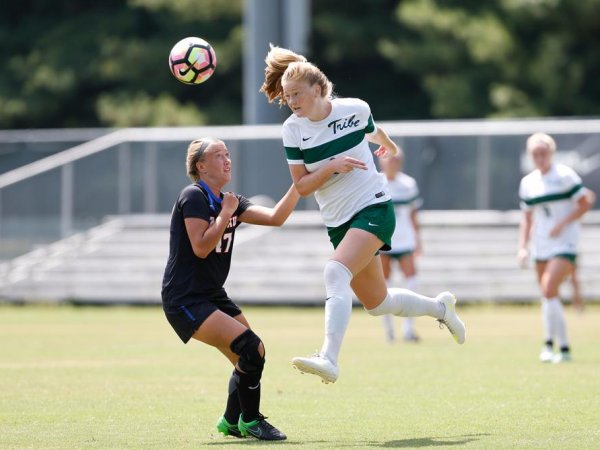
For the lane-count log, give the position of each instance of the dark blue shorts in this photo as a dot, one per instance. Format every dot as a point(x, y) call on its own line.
point(187, 318)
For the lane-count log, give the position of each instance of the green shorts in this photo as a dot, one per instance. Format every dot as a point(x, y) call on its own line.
point(568, 256)
point(398, 255)
point(378, 219)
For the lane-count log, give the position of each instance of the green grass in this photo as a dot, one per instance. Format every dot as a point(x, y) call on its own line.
point(120, 378)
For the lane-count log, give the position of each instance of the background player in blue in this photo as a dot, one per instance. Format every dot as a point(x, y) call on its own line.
point(553, 200)
point(203, 225)
point(406, 240)
point(326, 141)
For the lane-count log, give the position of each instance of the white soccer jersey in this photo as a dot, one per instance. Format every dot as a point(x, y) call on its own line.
point(341, 133)
point(405, 196)
point(551, 197)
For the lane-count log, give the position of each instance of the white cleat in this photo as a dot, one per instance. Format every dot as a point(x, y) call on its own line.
point(451, 320)
point(317, 365)
point(561, 357)
point(546, 355)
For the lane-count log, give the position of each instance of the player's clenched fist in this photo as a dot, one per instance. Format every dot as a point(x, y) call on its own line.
point(230, 202)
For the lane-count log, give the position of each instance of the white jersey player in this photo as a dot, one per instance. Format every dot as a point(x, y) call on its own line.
point(406, 243)
point(553, 201)
point(326, 141)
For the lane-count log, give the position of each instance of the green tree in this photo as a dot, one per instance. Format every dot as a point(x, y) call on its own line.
point(508, 58)
point(344, 45)
point(76, 63)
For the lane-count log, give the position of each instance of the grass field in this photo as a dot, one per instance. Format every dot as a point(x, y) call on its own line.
point(120, 378)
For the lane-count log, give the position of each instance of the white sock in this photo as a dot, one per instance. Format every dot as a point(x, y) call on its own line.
point(388, 326)
point(408, 326)
point(558, 319)
point(405, 303)
point(547, 320)
point(338, 308)
point(412, 284)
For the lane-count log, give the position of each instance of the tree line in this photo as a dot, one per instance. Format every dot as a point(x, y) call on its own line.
point(74, 63)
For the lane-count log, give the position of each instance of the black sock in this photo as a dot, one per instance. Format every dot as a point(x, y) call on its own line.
point(233, 409)
point(549, 343)
point(249, 395)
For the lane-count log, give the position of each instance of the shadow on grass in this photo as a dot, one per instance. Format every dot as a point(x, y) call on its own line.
point(428, 441)
point(400, 443)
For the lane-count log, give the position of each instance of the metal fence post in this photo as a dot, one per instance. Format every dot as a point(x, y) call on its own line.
point(66, 200)
point(150, 172)
point(124, 174)
point(484, 173)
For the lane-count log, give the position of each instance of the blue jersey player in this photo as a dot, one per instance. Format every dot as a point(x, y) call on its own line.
point(203, 225)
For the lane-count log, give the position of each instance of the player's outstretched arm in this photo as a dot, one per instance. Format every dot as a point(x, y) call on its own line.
point(276, 216)
point(387, 147)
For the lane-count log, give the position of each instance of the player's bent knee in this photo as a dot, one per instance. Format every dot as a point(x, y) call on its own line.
point(383, 308)
point(247, 347)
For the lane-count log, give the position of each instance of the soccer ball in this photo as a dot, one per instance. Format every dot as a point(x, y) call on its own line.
point(192, 60)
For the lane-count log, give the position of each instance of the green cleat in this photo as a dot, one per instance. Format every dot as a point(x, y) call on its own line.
point(228, 429)
point(260, 429)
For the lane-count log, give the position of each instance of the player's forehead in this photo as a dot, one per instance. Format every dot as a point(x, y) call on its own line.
point(294, 85)
point(539, 147)
point(216, 147)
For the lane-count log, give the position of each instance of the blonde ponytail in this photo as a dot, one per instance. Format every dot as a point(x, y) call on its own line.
point(284, 64)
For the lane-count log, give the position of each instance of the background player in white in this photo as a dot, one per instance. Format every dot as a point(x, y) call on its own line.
point(406, 240)
point(326, 143)
point(553, 200)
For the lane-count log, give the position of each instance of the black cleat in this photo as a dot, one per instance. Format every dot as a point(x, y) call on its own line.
point(260, 429)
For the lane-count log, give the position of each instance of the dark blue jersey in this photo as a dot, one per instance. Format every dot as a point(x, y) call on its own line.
point(188, 278)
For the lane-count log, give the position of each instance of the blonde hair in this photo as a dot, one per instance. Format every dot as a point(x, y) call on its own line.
point(195, 154)
point(541, 138)
point(285, 65)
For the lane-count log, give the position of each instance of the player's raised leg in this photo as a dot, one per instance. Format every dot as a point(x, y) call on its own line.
point(369, 286)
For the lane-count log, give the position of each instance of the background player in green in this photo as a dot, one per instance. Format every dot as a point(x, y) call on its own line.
point(203, 225)
point(553, 200)
point(326, 142)
point(406, 240)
